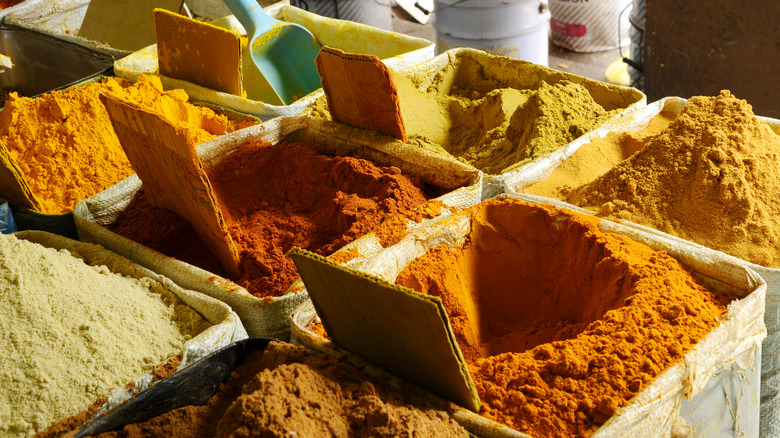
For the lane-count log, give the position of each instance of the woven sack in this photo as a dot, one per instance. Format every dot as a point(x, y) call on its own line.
point(714, 389)
point(770, 359)
point(264, 317)
point(226, 328)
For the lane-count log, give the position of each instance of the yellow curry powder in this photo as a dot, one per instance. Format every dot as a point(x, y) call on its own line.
point(560, 323)
point(65, 145)
point(487, 123)
point(712, 177)
point(596, 158)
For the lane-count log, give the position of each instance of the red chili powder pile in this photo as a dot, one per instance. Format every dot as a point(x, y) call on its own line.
point(561, 324)
point(279, 196)
point(284, 389)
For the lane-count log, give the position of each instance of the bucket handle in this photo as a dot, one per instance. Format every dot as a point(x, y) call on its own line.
point(542, 6)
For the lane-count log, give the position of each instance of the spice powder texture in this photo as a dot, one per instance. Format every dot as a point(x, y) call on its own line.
point(597, 157)
point(280, 196)
point(64, 142)
point(488, 123)
point(285, 390)
point(561, 324)
point(74, 332)
point(712, 177)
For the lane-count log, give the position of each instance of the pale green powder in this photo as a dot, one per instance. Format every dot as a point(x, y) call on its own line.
point(71, 333)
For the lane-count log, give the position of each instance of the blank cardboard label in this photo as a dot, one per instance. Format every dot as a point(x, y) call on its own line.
point(360, 91)
point(123, 24)
point(198, 52)
point(173, 177)
point(401, 330)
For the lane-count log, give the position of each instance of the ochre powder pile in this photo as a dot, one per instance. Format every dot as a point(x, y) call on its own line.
point(285, 391)
point(561, 324)
point(711, 177)
point(65, 145)
point(488, 123)
point(278, 197)
point(596, 158)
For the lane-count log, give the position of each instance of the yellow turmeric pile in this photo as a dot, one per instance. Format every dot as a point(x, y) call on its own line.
point(65, 146)
point(561, 324)
point(711, 177)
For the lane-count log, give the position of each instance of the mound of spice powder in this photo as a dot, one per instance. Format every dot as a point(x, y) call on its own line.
point(64, 142)
point(597, 157)
point(279, 196)
point(560, 323)
point(72, 332)
point(710, 177)
point(486, 123)
point(286, 391)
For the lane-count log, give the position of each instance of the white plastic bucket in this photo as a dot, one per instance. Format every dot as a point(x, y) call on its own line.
point(513, 28)
point(589, 26)
point(637, 35)
point(375, 13)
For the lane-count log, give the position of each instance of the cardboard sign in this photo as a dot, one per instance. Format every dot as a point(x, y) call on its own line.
point(360, 91)
point(173, 177)
point(198, 52)
point(402, 331)
point(13, 183)
point(123, 24)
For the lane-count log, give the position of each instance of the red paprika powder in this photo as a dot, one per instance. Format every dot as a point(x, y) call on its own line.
point(279, 196)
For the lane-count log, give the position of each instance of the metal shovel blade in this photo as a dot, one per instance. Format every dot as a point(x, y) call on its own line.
point(194, 385)
point(282, 54)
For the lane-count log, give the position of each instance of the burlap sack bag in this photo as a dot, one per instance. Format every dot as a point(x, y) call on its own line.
point(268, 317)
point(61, 19)
point(395, 50)
point(770, 359)
point(18, 7)
point(714, 390)
point(226, 328)
point(445, 69)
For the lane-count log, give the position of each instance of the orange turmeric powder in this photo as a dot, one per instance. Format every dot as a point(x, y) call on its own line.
point(65, 145)
point(561, 324)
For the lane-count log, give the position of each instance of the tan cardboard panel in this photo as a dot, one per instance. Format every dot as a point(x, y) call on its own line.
point(198, 52)
point(13, 183)
point(402, 331)
point(123, 24)
point(172, 174)
point(360, 91)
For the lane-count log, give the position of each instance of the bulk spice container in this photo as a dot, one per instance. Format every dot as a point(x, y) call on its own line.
point(82, 322)
point(497, 114)
point(265, 310)
point(278, 388)
point(527, 287)
point(712, 176)
point(60, 148)
point(396, 50)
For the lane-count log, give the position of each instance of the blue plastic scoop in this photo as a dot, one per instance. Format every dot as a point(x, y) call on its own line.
point(282, 55)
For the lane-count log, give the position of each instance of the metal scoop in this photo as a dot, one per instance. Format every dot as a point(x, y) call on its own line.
point(194, 385)
point(282, 55)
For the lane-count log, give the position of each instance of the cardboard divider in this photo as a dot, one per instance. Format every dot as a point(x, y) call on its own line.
point(172, 173)
point(360, 91)
point(198, 52)
point(404, 331)
point(125, 25)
